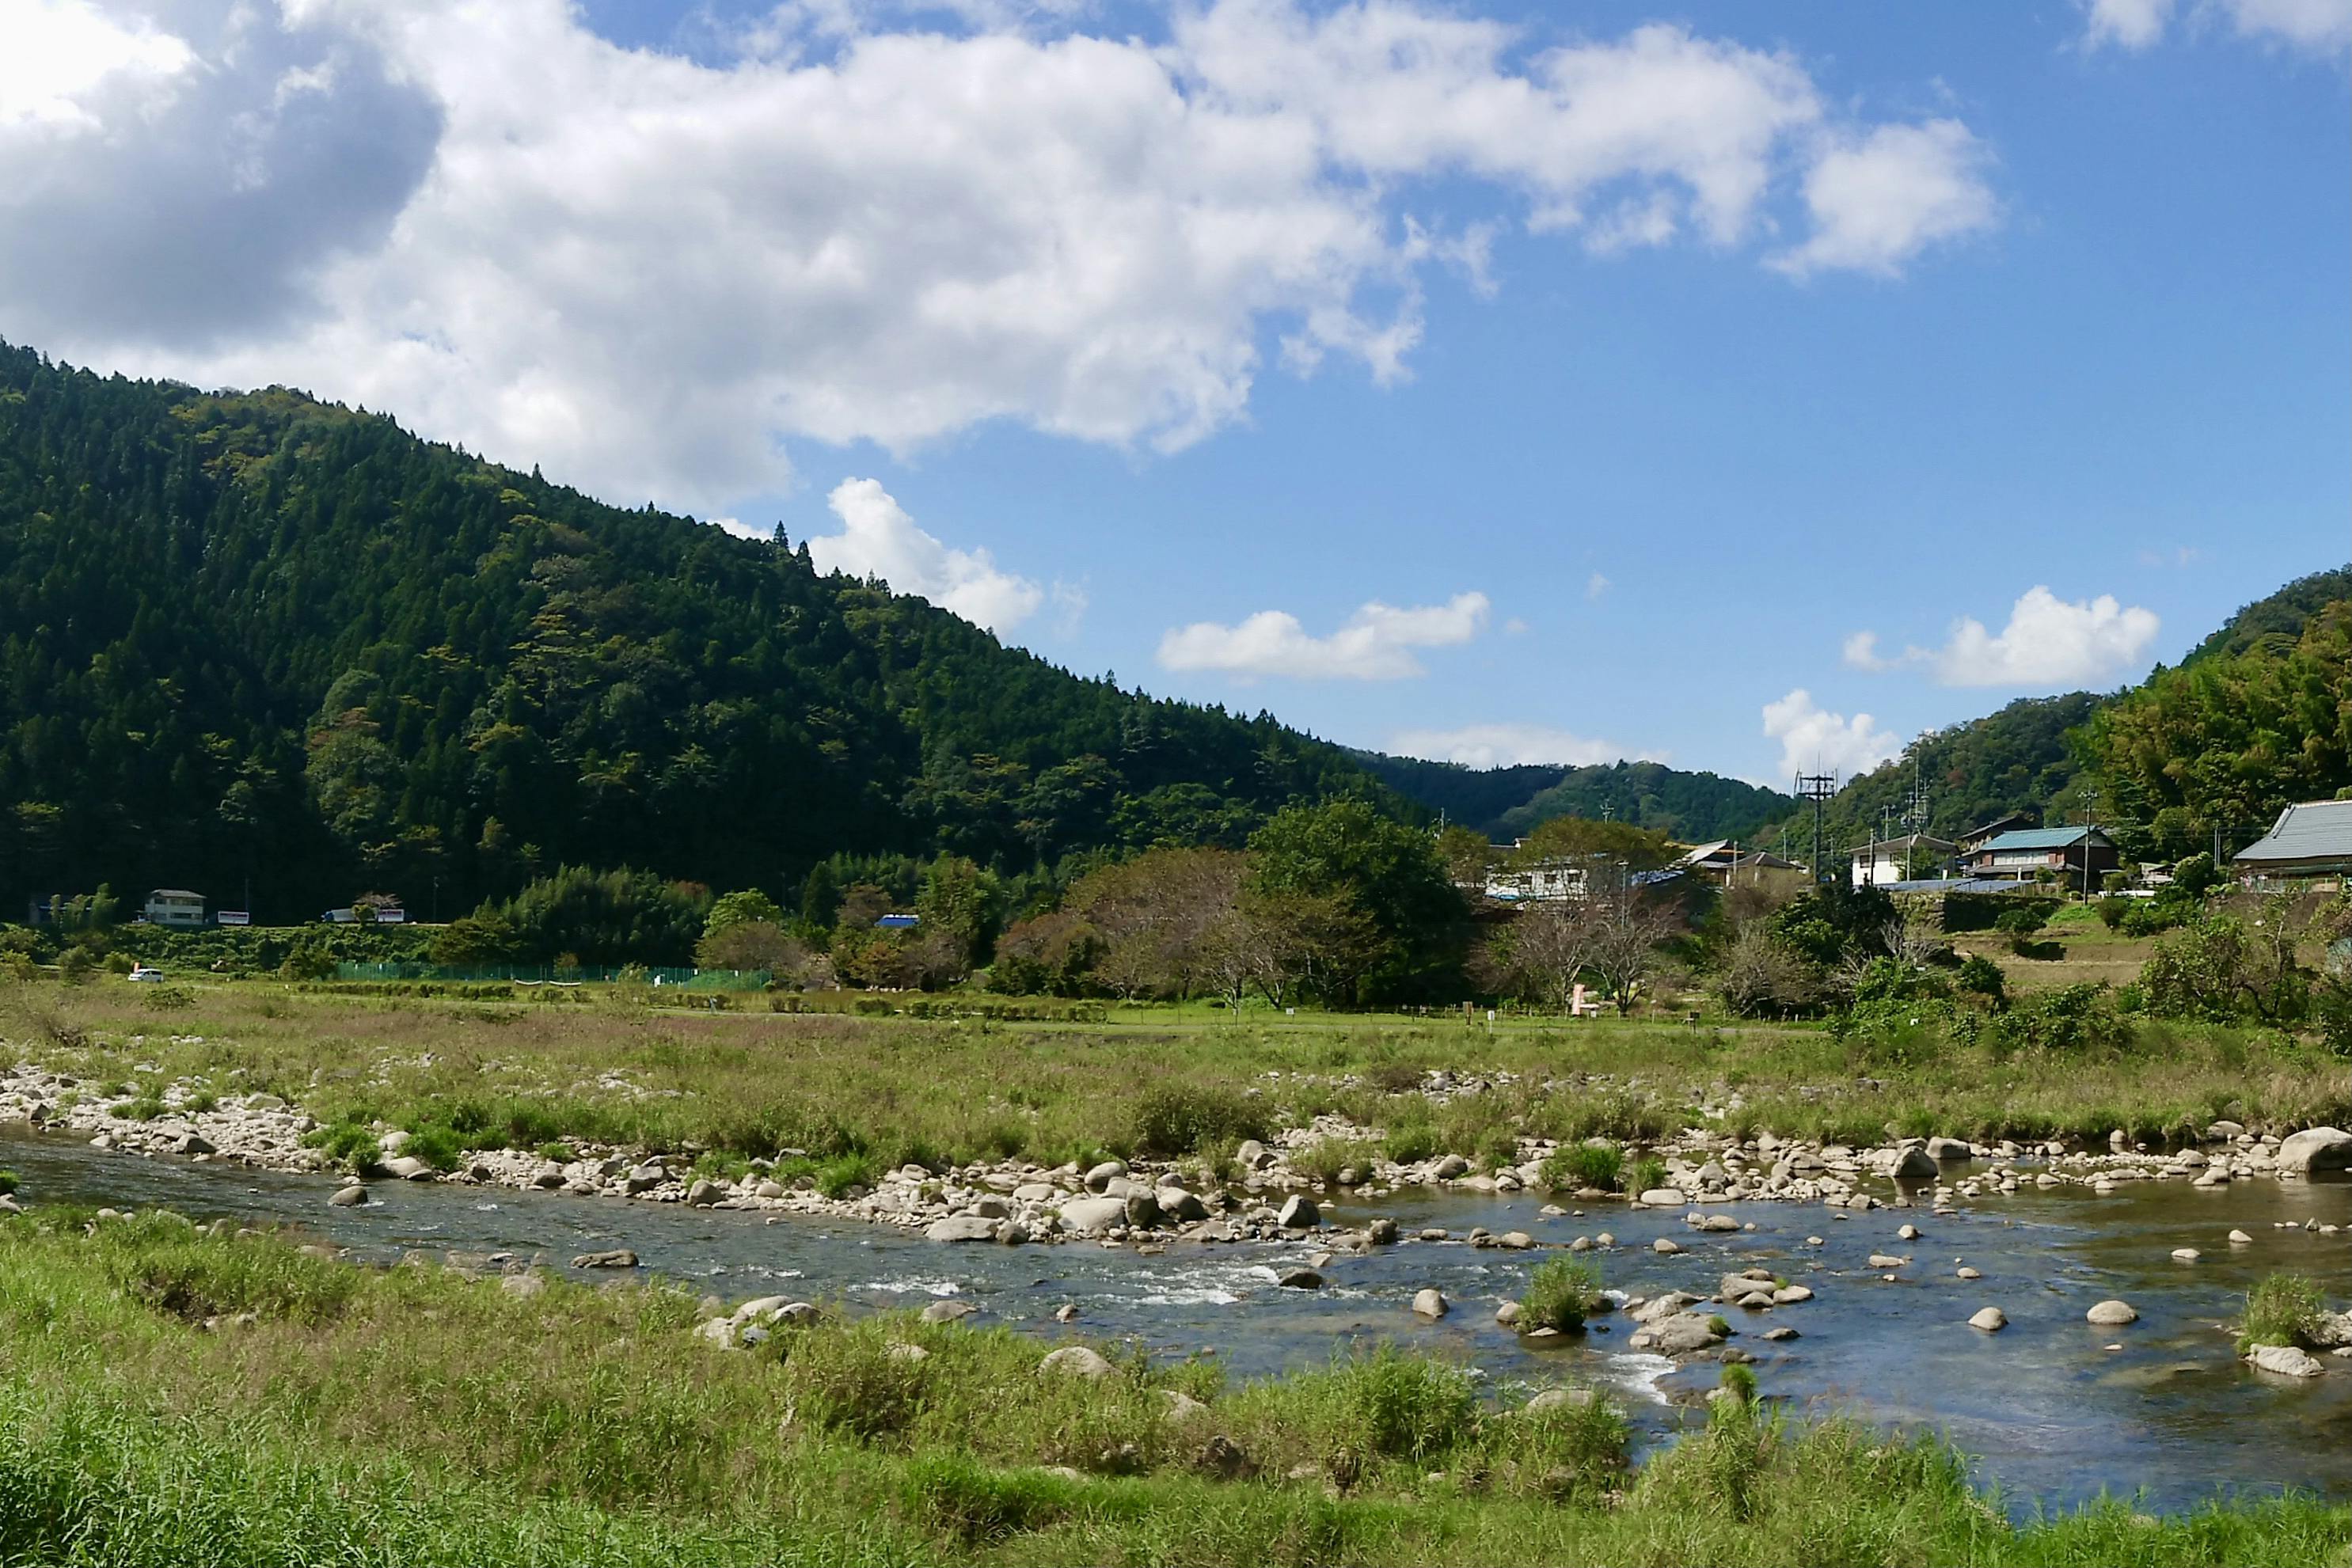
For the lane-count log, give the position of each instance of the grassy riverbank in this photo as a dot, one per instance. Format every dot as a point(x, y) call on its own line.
point(331, 1413)
point(608, 1066)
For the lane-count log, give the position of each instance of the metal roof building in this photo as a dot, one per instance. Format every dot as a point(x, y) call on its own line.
point(2310, 840)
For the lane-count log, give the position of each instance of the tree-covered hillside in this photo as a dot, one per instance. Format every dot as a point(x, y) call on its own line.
point(254, 636)
point(2253, 718)
point(1511, 802)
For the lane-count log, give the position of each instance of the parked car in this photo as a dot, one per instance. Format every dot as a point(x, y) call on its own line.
point(146, 975)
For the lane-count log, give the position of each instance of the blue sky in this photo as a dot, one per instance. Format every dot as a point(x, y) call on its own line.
point(2022, 296)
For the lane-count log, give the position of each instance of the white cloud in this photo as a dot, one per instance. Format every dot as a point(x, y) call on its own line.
point(649, 273)
point(2048, 642)
point(2323, 26)
point(878, 539)
point(1880, 198)
point(1376, 643)
point(1513, 745)
point(1813, 740)
point(1595, 586)
point(2132, 23)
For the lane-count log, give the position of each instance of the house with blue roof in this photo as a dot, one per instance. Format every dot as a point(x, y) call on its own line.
point(2077, 855)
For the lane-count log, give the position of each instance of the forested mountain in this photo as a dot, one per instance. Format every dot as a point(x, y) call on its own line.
point(1507, 803)
point(2277, 619)
point(2017, 759)
point(255, 636)
point(2257, 715)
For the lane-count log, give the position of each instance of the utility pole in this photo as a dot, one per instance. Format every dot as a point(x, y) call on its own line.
point(1817, 787)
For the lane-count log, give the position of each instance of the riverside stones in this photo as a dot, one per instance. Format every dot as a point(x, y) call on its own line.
point(2112, 1314)
point(962, 1228)
point(351, 1197)
point(1099, 1178)
point(1088, 1215)
point(2317, 1149)
point(1076, 1361)
point(1299, 1213)
point(948, 1312)
point(1430, 1303)
point(1679, 1334)
point(1663, 1197)
point(613, 1257)
point(1300, 1280)
point(2285, 1361)
point(1990, 1320)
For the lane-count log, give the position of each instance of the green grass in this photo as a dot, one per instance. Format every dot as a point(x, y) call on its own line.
point(1645, 1174)
point(608, 1067)
point(417, 1416)
point(1559, 1296)
point(2282, 1309)
point(1581, 1166)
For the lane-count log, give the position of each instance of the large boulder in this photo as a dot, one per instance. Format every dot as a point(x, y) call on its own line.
point(1428, 1304)
point(1914, 1163)
point(408, 1168)
point(1099, 1178)
point(1076, 1361)
point(1299, 1213)
point(1088, 1215)
point(2317, 1149)
point(1663, 1197)
point(962, 1228)
point(1181, 1206)
point(1142, 1209)
point(2112, 1314)
point(616, 1258)
point(1680, 1334)
point(2285, 1361)
point(351, 1197)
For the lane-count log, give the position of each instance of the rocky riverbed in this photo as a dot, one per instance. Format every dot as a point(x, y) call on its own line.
point(1264, 1194)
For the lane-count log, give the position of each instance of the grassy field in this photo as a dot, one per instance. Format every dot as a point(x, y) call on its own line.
point(168, 1397)
point(606, 1065)
point(2093, 953)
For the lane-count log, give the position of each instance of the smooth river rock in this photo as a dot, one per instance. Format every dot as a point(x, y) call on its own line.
point(1088, 1215)
point(2285, 1361)
point(962, 1228)
point(351, 1197)
point(1431, 1303)
point(616, 1258)
point(1991, 1320)
point(2112, 1314)
point(2317, 1149)
point(1076, 1361)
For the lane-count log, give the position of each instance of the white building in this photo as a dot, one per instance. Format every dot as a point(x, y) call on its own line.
point(175, 906)
point(1545, 880)
point(1883, 861)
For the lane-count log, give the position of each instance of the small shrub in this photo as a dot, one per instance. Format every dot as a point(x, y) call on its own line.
point(201, 1100)
point(1325, 1158)
point(437, 1145)
point(2282, 1309)
point(835, 1177)
point(848, 1381)
point(1409, 1143)
point(168, 998)
point(8, 1182)
point(350, 1140)
point(1559, 1296)
point(1645, 1174)
point(558, 1154)
point(1181, 1120)
point(1405, 1407)
point(2113, 910)
point(1585, 1164)
point(1981, 976)
point(1739, 1382)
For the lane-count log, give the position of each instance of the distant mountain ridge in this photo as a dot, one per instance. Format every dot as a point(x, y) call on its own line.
point(1509, 802)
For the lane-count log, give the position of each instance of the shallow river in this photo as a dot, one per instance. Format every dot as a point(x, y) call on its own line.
point(2052, 1412)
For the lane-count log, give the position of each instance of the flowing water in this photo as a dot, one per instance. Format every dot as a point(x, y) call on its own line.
point(2053, 1414)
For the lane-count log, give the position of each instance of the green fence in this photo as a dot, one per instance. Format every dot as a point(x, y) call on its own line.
point(547, 975)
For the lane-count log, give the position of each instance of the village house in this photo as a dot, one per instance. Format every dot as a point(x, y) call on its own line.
point(1884, 860)
point(2309, 843)
point(2023, 854)
point(175, 906)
